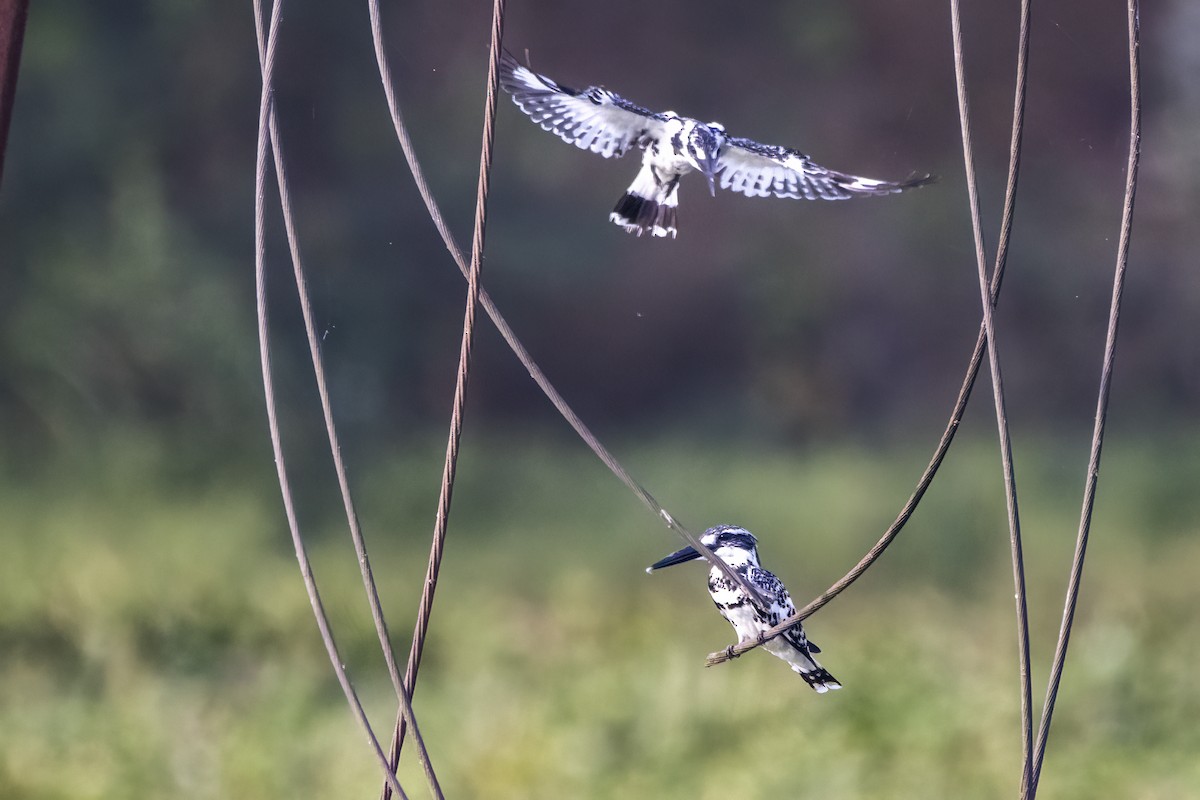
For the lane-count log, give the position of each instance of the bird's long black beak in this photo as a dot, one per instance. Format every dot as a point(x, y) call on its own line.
point(708, 166)
point(688, 553)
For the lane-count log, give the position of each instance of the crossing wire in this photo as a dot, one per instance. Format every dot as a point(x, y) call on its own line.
point(264, 343)
point(446, 491)
point(1133, 22)
point(1006, 457)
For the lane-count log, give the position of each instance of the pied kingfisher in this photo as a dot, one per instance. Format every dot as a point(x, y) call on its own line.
point(738, 548)
point(605, 123)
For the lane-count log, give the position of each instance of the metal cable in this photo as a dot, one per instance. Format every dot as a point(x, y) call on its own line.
point(446, 492)
point(1110, 349)
point(310, 584)
point(1006, 459)
point(360, 547)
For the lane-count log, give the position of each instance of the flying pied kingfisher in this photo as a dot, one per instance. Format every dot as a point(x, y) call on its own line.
point(598, 120)
point(738, 548)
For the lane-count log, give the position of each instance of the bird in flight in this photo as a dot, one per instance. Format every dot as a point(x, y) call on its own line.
point(603, 122)
point(738, 548)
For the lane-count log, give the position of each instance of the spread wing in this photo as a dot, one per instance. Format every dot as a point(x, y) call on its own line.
point(762, 170)
point(594, 119)
point(782, 607)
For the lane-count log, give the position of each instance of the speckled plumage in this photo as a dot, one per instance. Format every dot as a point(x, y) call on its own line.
point(605, 123)
point(738, 548)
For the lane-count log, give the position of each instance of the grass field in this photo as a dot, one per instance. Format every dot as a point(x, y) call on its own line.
point(155, 640)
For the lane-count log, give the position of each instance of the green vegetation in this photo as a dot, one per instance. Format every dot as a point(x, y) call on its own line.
point(156, 642)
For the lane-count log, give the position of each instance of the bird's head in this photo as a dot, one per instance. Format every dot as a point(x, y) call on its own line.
point(702, 146)
point(733, 545)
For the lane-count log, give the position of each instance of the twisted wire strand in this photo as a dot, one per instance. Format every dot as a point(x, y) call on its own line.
point(1006, 458)
point(262, 165)
point(360, 547)
point(446, 491)
point(13, 17)
point(1133, 13)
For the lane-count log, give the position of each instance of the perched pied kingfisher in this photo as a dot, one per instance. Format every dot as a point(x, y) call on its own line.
point(738, 548)
point(598, 120)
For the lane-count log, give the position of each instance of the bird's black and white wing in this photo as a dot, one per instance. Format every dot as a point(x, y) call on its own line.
point(593, 119)
point(781, 607)
point(762, 170)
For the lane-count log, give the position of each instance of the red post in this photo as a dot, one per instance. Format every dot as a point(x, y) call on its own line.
point(13, 14)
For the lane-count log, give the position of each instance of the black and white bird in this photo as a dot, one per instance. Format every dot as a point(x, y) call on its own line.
point(598, 120)
point(738, 548)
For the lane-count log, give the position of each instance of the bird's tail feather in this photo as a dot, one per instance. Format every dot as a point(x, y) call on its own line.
point(643, 214)
point(648, 207)
point(819, 679)
point(813, 673)
point(797, 652)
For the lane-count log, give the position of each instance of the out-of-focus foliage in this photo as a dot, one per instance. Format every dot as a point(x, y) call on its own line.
point(158, 643)
point(125, 220)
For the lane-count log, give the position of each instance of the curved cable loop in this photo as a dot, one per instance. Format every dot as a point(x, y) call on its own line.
point(262, 165)
point(1006, 457)
point(1110, 348)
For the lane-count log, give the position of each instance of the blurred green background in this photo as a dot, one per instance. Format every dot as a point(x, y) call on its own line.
point(783, 365)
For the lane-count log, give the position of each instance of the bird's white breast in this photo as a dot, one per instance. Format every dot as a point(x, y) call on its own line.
point(662, 156)
point(746, 622)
